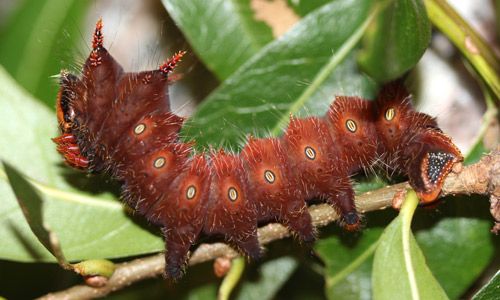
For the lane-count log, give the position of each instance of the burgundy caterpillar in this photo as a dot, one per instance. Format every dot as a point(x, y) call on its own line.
point(121, 123)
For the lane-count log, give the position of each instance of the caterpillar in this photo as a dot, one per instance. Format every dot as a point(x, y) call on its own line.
point(121, 123)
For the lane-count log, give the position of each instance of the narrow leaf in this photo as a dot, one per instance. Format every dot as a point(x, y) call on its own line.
point(32, 206)
point(26, 129)
point(38, 37)
point(399, 267)
point(224, 34)
point(491, 290)
point(261, 283)
point(272, 275)
point(457, 251)
point(468, 41)
point(302, 8)
point(348, 266)
point(397, 40)
point(300, 72)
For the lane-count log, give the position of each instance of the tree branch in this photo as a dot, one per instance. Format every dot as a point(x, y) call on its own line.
point(480, 178)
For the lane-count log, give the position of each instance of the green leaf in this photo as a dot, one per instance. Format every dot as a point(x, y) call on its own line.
point(204, 292)
point(468, 41)
point(475, 153)
point(73, 218)
point(491, 290)
point(32, 207)
point(397, 40)
point(223, 33)
point(299, 73)
point(87, 226)
point(37, 38)
point(488, 121)
point(272, 275)
point(457, 251)
point(399, 267)
point(348, 267)
point(302, 8)
point(261, 284)
point(369, 184)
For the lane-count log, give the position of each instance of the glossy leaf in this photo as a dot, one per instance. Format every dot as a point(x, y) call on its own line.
point(32, 206)
point(348, 267)
point(35, 41)
point(300, 72)
point(262, 284)
point(302, 8)
point(205, 292)
point(397, 40)
point(272, 275)
point(224, 34)
point(26, 129)
point(457, 252)
point(399, 267)
point(491, 290)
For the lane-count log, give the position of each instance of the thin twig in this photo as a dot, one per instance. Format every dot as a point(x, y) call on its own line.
point(480, 178)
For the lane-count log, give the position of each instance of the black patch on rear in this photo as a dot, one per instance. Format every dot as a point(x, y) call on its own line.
point(437, 162)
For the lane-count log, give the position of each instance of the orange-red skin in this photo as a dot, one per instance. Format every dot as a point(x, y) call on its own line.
point(278, 198)
point(354, 149)
point(181, 217)
point(233, 219)
point(326, 177)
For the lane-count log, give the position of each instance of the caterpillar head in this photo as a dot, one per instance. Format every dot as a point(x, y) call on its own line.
point(66, 96)
point(69, 92)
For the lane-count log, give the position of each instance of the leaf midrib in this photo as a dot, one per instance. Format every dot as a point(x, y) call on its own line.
point(66, 196)
point(330, 282)
point(328, 69)
point(407, 211)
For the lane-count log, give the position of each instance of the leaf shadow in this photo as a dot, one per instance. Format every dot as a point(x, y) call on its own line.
point(32, 205)
point(90, 183)
point(471, 206)
point(26, 243)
